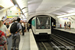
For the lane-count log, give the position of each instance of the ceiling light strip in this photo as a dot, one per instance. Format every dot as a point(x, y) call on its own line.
point(20, 9)
point(66, 15)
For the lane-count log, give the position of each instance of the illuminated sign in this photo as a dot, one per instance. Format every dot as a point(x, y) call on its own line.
point(12, 16)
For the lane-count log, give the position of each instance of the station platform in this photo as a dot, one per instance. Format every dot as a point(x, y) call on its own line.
point(27, 42)
point(66, 30)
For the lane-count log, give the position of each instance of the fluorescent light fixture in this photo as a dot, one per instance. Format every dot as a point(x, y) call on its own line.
point(59, 13)
point(65, 18)
point(66, 15)
point(19, 3)
point(22, 3)
point(26, 14)
point(23, 10)
point(22, 16)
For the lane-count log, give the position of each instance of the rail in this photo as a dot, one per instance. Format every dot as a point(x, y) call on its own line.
point(62, 42)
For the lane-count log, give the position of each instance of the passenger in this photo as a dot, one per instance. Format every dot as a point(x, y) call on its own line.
point(23, 28)
point(2, 41)
point(65, 25)
point(4, 29)
point(69, 25)
point(16, 37)
point(28, 26)
point(7, 25)
point(9, 38)
point(4, 19)
point(3, 22)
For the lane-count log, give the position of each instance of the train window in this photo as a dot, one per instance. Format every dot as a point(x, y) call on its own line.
point(42, 22)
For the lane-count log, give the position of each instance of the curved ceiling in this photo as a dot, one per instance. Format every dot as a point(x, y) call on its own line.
point(53, 7)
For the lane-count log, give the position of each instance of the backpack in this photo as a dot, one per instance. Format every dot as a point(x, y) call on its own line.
point(14, 28)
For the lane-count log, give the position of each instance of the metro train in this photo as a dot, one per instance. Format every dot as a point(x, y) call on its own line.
point(41, 24)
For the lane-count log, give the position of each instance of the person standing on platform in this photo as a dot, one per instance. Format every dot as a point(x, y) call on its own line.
point(69, 25)
point(4, 29)
point(7, 25)
point(9, 37)
point(28, 26)
point(65, 25)
point(23, 28)
point(2, 41)
point(16, 36)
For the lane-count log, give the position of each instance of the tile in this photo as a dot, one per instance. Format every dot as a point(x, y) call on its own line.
point(24, 43)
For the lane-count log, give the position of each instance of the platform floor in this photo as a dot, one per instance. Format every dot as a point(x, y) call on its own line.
point(67, 30)
point(24, 42)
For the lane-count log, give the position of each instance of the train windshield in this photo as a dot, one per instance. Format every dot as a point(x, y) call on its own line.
point(42, 22)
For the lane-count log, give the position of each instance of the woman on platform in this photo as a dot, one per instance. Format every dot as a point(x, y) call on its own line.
point(3, 29)
point(65, 25)
point(69, 25)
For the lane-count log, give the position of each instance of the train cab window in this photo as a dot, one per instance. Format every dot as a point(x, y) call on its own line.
point(42, 22)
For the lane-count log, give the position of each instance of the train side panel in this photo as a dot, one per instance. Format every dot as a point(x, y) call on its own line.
point(34, 25)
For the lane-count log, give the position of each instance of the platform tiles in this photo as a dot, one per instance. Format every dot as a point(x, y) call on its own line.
point(28, 42)
point(25, 42)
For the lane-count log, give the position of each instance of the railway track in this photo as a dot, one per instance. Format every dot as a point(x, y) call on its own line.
point(44, 46)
